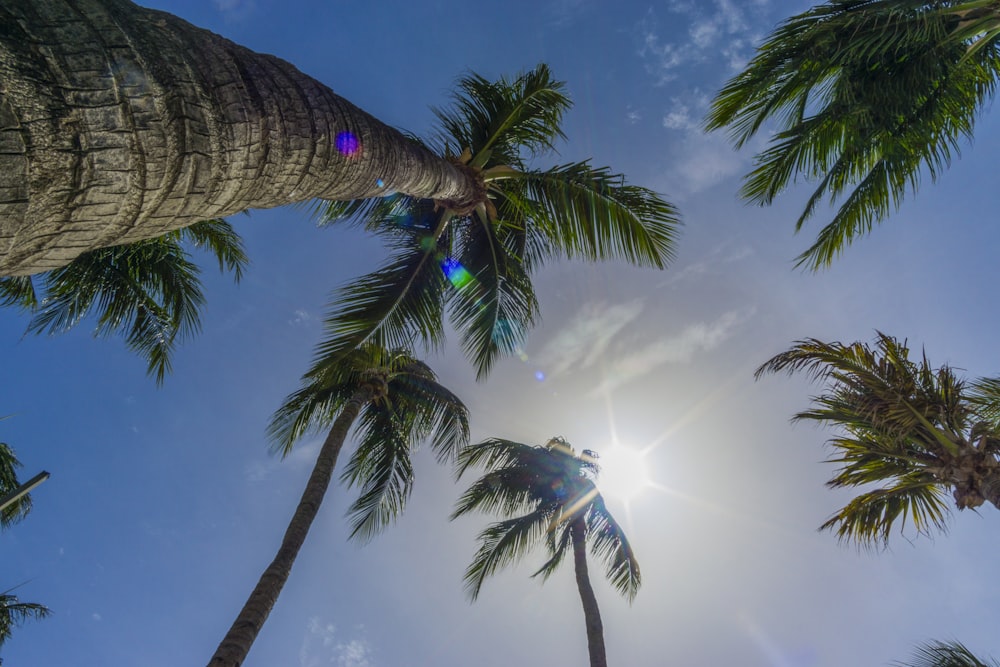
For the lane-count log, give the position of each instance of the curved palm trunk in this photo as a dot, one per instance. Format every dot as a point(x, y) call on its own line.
point(591, 614)
point(236, 644)
point(120, 123)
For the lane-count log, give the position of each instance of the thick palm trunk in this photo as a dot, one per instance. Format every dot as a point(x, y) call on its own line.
point(236, 644)
point(591, 614)
point(120, 123)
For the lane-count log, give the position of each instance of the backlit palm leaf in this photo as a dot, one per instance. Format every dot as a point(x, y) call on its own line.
point(945, 654)
point(13, 613)
point(867, 96)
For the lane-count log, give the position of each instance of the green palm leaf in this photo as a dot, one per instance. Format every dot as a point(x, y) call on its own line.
point(8, 483)
point(867, 96)
point(13, 613)
point(945, 654)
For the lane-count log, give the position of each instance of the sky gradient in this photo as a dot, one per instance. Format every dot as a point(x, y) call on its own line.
point(165, 505)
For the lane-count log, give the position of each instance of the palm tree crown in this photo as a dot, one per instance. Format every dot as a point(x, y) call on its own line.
point(393, 402)
point(546, 494)
point(868, 96)
point(149, 292)
point(916, 430)
point(477, 260)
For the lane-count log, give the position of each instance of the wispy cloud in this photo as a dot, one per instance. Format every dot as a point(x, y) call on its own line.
point(582, 342)
point(721, 255)
point(234, 10)
point(301, 317)
point(679, 348)
point(302, 455)
point(322, 646)
point(717, 29)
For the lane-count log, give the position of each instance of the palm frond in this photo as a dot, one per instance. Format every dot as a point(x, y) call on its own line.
point(592, 213)
point(381, 466)
point(437, 413)
point(867, 96)
point(502, 118)
point(558, 541)
point(945, 654)
point(18, 291)
point(868, 519)
point(13, 613)
point(220, 239)
point(494, 303)
point(504, 543)
point(610, 546)
point(9, 465)
point(393, 307)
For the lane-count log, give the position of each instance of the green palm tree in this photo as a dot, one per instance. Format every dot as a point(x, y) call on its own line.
point(148, 292)
point(867, 96)
point(477, 261)
point(177, 125)
point(946, 654)
point(546, 494)
point(13, 613)
point(395, 401)
point(915, 431)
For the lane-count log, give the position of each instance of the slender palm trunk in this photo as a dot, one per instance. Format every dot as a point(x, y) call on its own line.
point(591, 614)
point(120, 123)
point(236, 644)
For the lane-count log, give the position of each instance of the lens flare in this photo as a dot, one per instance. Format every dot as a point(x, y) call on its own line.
point(347, 143)
point(456, 274)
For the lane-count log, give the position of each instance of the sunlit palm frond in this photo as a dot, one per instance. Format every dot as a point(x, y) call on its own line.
point(14, 612)
point(945, 654)
point(497, 120)
point(309, 409)
point(8, 483)
point(610, 546)
point(867, 96)
point(869, 518)
point(592, 213)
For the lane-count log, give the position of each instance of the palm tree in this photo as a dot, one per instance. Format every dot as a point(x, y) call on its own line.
point(181, 125)
point(148, 291)
point(477, 261)
point(868, 96)
point(396, 402)
point(548, 494)
point(14, 612)
point(946, 654)
point(915, 430)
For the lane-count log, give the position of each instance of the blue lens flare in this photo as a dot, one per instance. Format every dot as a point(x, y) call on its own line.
point(456, 274)
point(347, 143)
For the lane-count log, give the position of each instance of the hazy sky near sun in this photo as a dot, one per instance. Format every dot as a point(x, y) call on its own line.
point(164, 505)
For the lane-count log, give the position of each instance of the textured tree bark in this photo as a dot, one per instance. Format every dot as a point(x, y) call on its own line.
point(120, 123)
point(236, 644)
point(591, 613)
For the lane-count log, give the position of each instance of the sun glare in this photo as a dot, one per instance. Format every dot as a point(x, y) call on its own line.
point(624, 473)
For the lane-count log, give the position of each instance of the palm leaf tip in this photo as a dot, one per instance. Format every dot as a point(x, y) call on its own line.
point(945, 654)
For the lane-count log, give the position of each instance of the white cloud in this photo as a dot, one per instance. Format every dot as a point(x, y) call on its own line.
point(320, 646)
point(581, 342)
point(301, 317)
point(97, 617)
point(679, 348)
point(302, 455)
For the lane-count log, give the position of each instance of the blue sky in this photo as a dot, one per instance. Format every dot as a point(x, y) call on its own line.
point(164, 504)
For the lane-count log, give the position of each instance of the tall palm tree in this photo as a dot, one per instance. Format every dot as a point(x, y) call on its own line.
point(175, 125)
point(546, 494)
point(396, 402)
point(148, 292)
point(477, 261)
point(946, 654)
point(914, 430)
point(867, 96)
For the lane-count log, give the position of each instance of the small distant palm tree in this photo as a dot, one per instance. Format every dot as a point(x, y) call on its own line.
point(148, 292)
point(866, 97)
point(396, 402)
point(546, 494)
point(13, 613)
point(916, 430)
point(477, 261)
point(945, 654)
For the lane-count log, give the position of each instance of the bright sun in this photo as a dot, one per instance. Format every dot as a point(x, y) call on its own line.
point(624, 473)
